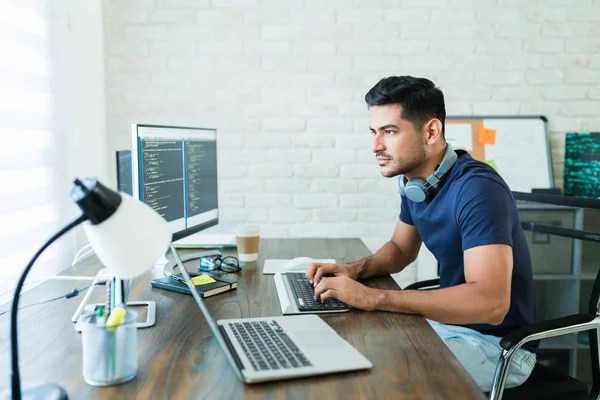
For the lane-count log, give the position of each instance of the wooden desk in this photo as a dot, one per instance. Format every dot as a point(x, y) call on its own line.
point(180, 359)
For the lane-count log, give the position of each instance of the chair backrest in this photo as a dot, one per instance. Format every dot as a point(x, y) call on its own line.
point(593, 337)
point(580, 235)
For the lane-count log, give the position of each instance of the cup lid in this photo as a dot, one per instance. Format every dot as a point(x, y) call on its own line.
point(247, 229)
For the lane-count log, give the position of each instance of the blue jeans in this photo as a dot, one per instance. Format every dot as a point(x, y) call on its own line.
point(480, 354)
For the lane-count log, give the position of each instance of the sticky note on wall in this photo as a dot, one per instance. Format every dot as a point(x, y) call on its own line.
point(487, 136)
point(492, 164)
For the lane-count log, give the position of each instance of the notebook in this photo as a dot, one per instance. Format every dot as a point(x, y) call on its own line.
point(206, 285)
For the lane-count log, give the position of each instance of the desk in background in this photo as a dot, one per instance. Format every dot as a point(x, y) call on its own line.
point(180, 359)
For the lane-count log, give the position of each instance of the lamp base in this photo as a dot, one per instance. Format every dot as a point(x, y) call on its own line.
point(44, 391)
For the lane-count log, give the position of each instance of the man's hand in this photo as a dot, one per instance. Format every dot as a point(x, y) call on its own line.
point(347, 290)
point(316, 271)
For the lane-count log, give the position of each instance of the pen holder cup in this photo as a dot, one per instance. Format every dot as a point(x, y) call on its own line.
point(109, 353)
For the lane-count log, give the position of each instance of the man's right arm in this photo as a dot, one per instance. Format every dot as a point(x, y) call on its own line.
point(393, 256)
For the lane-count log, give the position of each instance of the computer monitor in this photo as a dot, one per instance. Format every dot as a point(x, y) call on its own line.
point(175, 172)
point(124, 167)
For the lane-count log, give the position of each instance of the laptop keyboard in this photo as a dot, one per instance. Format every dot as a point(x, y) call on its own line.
point(267, 346)
point(304, 293)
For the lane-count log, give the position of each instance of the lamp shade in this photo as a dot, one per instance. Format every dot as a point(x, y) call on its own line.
point(131, 240)
point(128, 236)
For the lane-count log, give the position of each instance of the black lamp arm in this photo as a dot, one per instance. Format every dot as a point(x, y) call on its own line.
point(14, 348)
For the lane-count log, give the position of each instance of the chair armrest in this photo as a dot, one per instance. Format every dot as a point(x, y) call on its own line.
point(423, 284)
point(550, 328)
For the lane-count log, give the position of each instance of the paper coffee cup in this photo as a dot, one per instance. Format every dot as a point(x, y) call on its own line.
point(248, 240)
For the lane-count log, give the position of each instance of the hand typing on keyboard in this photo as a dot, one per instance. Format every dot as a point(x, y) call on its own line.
point(348, 291)
point(304, 294)
point(316, 271)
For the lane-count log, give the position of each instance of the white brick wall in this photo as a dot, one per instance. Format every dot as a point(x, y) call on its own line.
point(284, 80)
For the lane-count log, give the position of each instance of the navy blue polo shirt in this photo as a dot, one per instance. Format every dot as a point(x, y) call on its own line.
point(471, 207)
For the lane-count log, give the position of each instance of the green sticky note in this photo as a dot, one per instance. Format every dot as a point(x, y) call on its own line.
point(492, 164)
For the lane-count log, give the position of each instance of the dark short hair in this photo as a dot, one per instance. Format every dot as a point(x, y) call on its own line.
point(419, 98)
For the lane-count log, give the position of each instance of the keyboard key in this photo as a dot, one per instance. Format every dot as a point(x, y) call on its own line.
point(267, 346)
point(304, 294)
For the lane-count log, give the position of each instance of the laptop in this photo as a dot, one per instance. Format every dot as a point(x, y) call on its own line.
point(296, 295)
point(277, 348)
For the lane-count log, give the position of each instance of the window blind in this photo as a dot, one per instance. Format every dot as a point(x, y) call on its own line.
point(28, 207)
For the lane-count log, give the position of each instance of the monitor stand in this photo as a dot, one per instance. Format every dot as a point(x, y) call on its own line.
point(169, 266)
point(200, 240)
point(162, 261)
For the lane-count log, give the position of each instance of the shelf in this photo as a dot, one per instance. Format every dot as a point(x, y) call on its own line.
point(526, 205)
point(566, 342)
point(561, 342)
point(588, 276)
point(554, 277)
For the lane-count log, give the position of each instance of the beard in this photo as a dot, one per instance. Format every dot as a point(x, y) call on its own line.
point(403, 165)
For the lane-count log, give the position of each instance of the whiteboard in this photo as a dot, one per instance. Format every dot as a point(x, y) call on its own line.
point(517, 147)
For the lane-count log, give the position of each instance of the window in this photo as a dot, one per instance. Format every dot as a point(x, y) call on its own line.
point(28, 210)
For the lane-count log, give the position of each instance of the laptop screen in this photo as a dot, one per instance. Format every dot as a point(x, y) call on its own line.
point(211, 322)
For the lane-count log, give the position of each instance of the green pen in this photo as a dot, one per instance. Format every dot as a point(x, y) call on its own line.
point(100, 315)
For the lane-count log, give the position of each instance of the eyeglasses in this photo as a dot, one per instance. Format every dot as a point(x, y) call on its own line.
point(225, 264)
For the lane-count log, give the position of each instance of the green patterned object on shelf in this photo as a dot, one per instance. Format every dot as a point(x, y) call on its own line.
point(582, 164)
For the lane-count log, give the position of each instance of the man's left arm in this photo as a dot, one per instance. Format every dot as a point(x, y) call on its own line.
point(484, 298)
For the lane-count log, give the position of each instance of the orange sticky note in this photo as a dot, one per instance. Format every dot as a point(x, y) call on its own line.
point(487, 136)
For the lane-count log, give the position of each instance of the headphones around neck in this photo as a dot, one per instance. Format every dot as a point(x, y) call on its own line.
point(416, 189)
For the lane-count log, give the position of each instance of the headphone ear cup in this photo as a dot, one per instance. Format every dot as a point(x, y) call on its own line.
point(400, 185)
point(415, 191)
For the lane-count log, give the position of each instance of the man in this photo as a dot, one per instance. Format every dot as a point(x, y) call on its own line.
point(468, 220)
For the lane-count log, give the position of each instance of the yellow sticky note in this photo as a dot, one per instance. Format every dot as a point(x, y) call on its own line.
point(202, 280)
point(487, 136)
point(492, 164)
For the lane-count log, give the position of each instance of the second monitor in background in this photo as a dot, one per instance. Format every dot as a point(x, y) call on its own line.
point(175, 172)
point(124, 170)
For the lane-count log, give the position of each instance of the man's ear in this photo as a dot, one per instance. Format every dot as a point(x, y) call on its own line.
point(433, 130)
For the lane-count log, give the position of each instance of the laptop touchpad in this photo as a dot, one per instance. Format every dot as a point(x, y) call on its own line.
point(317, 339)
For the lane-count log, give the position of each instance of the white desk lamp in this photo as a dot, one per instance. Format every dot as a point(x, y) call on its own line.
point(128, 236)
